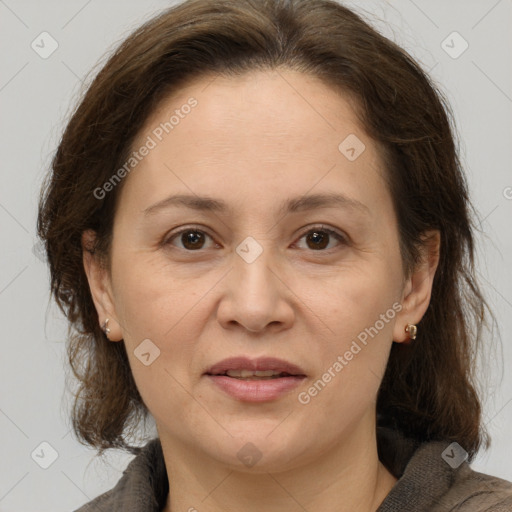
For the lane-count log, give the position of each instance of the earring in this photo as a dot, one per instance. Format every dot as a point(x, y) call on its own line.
point(412, 330)
point(105, 328)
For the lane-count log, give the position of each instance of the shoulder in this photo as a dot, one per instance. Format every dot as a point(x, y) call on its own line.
point(435, 477)
point(143, 486)
point(476, 492)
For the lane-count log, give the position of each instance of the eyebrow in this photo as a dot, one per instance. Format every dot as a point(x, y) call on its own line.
point(302, 203)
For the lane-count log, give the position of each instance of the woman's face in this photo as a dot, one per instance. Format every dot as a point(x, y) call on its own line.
point(289, 262)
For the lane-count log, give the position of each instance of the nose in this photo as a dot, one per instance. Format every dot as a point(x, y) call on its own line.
point(256, 296)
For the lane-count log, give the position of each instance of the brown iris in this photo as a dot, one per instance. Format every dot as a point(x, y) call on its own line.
point(192, 239)
point(320, 239)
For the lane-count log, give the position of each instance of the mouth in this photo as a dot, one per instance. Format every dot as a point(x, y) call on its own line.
point(255, 380)
point(252, 369)
point(255, 375)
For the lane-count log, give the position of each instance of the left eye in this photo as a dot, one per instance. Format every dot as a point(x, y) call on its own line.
point(318, 238)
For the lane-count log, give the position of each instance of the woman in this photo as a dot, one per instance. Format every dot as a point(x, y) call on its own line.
point(259, 230)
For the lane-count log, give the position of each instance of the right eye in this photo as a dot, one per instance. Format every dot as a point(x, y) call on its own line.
point(192, 239)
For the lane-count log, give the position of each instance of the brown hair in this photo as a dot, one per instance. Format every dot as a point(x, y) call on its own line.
point(428, 390)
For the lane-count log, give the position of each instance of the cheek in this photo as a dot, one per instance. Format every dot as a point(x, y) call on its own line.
point(357, 312)
point(149, 298)
point(354, 300)
point(353, 354)
point(159, 322)
point(153, 304)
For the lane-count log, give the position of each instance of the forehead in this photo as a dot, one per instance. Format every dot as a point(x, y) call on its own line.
point(276, 103)
point(280, 131)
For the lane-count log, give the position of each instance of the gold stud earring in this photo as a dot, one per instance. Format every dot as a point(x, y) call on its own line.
point(412, 330)
point(105, 328)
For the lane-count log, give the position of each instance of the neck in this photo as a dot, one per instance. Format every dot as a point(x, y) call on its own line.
point(347, 477)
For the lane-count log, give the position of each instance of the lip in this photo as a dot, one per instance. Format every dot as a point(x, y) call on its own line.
point(255, 390)
point(259, 364)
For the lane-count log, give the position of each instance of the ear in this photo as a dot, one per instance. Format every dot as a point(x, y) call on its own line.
point(100, 285)
point(418, 287)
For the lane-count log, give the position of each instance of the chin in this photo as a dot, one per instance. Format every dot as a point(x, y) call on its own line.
point(260, 449)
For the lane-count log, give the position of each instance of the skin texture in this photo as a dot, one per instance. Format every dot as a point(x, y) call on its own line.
point(255, 141)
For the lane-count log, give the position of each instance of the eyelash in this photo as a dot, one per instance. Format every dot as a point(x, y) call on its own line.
point(320, 228)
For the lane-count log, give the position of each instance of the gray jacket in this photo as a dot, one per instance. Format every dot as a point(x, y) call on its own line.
point(431, 478)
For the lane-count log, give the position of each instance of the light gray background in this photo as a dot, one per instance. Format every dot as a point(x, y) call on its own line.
point(36, 95)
